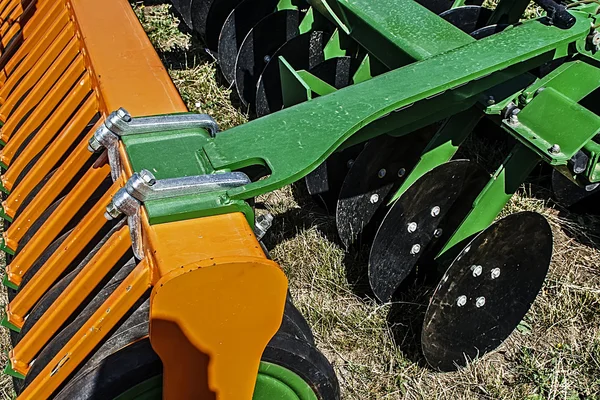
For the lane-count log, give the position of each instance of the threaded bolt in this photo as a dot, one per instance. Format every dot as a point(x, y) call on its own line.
point(555, 149)
point(112, 211)
point(438, 232)
point(123, 114)
point(435, 211)
point(374, 198)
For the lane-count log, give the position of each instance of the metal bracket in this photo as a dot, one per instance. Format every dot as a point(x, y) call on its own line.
point(143, 186)
point(120, 123)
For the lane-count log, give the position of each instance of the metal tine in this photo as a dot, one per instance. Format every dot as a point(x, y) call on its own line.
point(33, 49)
point(55, 266)
point(57, 149)
point(48, 160)
point(51, 127)
point(28, 32)
point(41, 77)
point(91, 333)
point(75, 293)
point(59, 181)
point(10, 14)
point(19, 133)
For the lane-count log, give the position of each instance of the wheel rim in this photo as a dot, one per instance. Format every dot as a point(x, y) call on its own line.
point(273, 382)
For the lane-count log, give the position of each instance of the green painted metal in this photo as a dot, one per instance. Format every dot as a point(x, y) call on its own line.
point(492, 199)
point(313, 130)
point(294, 89)
point(508, 11)
point(8, 370)
point(315, 84)
point(553, 119)
point(442, 147)
point(7, 324)
point(273, 382)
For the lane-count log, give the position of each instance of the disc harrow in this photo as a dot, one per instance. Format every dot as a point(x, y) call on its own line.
point(133, 266)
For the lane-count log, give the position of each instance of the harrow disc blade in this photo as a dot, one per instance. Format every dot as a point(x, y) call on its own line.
point(258, 47)
point(572, 196)
point(467, 18)
point(488, 31)
point(487, 290)
point(301, 52)
point(420, 222)
point(379, 169)
point(240, 21)
point(208, 17)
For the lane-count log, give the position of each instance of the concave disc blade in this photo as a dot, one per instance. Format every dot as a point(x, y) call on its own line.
point(184, 8)
point(239, 22)
point(420, 222)
point(488, 31)
point(379, 169)
point(570, 195)
point(302, 52)
point(467, 18)
point(259, 46)
point(487, 290)
point(215, 14)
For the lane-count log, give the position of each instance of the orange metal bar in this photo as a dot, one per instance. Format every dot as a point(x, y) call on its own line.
point(56, 223)
point(50, 128)
point(126, 69)
point(12, 11)
point(49, 159)
point(53, 153)
point(27, 27)
point(34, 48)
point(64, 174)
point(42, 76)
point(89, 336)
point(42, 111)
point(52, 269)
point(71, 298)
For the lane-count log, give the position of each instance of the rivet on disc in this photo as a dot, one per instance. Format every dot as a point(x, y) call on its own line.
point(495, 273)
point(480, 302)
point(461, 301)
point(438, 232)
point(435, 211)
point(374, 198)
point(381, 173)
point(415, 249)
point(401, 172)
point(412, 227)
point(477, 269)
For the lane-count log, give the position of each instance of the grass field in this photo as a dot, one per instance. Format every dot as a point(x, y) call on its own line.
point(554, 354)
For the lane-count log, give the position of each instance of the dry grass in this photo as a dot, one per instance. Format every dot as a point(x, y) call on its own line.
point(555, 353)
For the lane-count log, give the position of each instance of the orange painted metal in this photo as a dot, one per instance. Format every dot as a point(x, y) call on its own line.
point(71, 77)
point(89, 336)
point(9, 14)
point(55, 185)
point(57, 119)
point(27, 27)
point(41, 77)
point(197, 314)
point(57, 149)
point(70, 299)
point(236, 289)
point(54, 267)
point(33, 49)
point(126, 69)
point(55, 224)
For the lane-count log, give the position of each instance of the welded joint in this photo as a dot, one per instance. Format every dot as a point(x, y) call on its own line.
point(143, 186)
point(120, 123)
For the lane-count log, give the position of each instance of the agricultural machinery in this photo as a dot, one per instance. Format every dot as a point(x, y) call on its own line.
point(134, 261)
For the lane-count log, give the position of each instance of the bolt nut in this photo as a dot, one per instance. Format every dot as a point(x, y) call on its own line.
point(435, 211)
point(495, 273)
point(461, 300)
point(412, 227)
point(123, 114)
point(94, 145)
point(374, 198)
point(438, 232)
point(480, 302)
point(381, 173)
point(415, 249)
point(477, 270)
point(401, 172)
point(555, 149)
point(350, 163)
point(491, 101)
point(112, 211)
point(147, 177)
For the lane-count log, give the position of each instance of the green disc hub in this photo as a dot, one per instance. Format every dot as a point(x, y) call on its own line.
point(274, 382)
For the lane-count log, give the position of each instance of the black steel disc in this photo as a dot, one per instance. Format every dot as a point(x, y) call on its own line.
point(302, 52)
point(258, 47)
point(184, 8)
point(467, 18)
point(375, 174)
point(238, 23)
point(487, 290)
point(574, 197)
point(214, 21)
point(420, 222)
point(488, 31)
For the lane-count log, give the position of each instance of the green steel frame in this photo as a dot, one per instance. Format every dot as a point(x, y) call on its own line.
point(436, 72)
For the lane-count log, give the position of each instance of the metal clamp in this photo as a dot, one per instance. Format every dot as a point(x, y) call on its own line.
point(143, 186)
point(120, 123)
